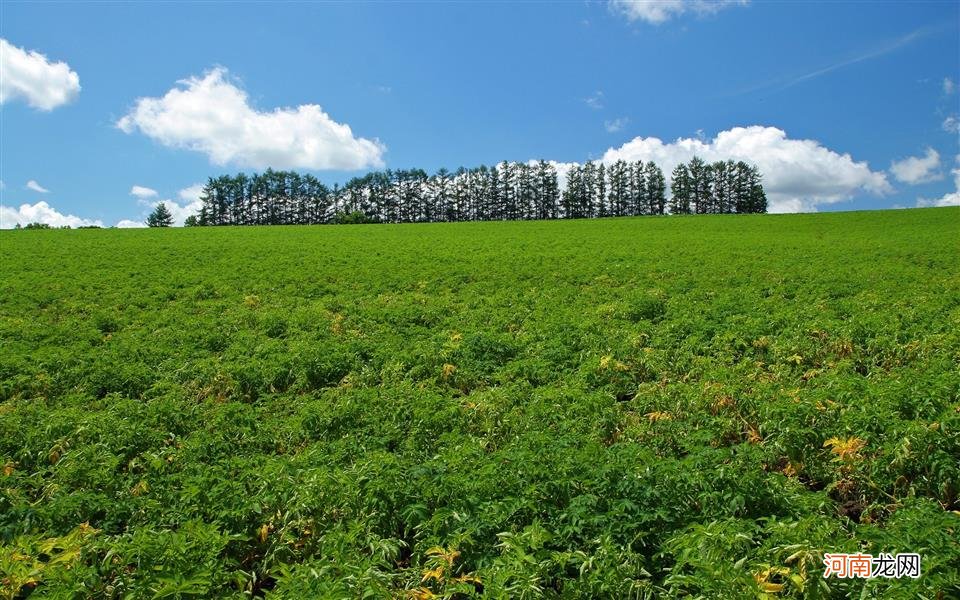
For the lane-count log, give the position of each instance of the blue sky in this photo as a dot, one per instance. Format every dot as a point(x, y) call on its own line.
point(843, 105)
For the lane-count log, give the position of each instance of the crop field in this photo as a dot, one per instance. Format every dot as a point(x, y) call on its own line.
point(610, 408)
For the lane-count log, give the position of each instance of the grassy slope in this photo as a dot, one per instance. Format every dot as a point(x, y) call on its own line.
point(581, 408)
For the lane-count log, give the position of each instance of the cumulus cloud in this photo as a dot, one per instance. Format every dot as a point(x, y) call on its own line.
point(142, 192)
point(36, 187)
point(128, 224)
point(950, 198)
point(210, 114)
point(191, 193)
point(30, 76)
point(616, 124)
point(661, 11)
point(799, 174)
point(918, 169)
point(41, 212)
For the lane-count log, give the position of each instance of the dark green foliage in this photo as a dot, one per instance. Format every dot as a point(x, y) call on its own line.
point(507, 192)
point(160, 217)
point(594, 409)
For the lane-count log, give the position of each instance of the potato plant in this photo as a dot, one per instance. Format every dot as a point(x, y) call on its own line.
point(624, 408)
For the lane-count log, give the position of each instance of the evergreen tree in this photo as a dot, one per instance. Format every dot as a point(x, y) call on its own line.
point(571, 198)
point(680, 190)
point(656, 189)
point(587, 193)
point(699, 185)
point(510, 190)
point(638, 189)
point(619, 177)
point(601, 202)
point(160, 217)
point(547, 191)
point(757, 202)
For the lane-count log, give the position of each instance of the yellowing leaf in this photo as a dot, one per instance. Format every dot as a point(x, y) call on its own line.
point(263, 532)
point(657, 415)
point(846, 450)
point(447, 371)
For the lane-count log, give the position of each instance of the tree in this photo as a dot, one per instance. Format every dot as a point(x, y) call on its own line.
point(656, 189)
point(680, 190)
point(601, 191)
point(160, 217)
point(757, 198)
point(700, 177)
point(619, 176)
point(638, 189)
point(571, 195)
point(507, 191)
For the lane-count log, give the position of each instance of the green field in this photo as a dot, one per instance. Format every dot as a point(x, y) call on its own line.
point(643, 407)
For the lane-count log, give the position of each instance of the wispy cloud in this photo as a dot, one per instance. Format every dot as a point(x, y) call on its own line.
point(782, 83)
point(661, 11)
point(142, 192)
point(595, 100)
point(36, 187)
point(616, 124)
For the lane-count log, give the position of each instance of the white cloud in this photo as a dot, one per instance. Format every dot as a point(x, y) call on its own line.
point(209, 114)
point(950, 198)
point(918, 169)
point(595, 100)
point(951, 124)
point(36, 187)
point(660, 11)
point(30, 76)
point(41, 212)
point(128, 224)
point(191, 193)
point(949, 86)
point(798, 175)
point(616, 124)
point(142, 192)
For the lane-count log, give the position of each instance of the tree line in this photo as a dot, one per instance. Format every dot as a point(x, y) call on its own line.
point(507, 191)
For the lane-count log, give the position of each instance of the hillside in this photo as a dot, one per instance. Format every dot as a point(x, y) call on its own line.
point(632, 407)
